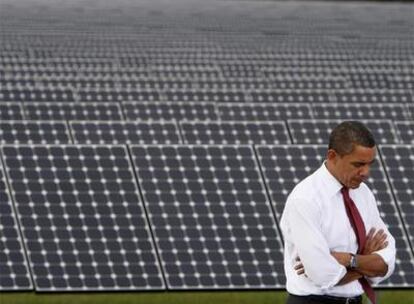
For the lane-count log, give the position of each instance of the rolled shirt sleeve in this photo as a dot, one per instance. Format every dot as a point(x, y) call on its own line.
point(388, 253)
point(321, 267)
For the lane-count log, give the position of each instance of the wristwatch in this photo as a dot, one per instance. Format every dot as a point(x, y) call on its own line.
point(353, 263)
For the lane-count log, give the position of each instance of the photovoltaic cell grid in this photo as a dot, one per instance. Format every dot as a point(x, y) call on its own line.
point(399, 164)
point(264, 112)
point(169, 111)
point(205, 96)
point(405, 130)
point(110, 95)
point(234, 132)
point(82, 219)
point(121, 132)
point(285, 166)
point(290, 96)
point(14, 273)
point(373, 96)
point(34, 132)
point(36, 95)
point(212, 222)
point(317, 131)
point(11, 111)
point(73, 111)
point(360, 111)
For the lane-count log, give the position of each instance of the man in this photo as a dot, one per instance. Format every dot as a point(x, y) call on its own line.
point(336, 245)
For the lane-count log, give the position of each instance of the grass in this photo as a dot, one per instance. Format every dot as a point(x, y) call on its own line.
point(213, 297)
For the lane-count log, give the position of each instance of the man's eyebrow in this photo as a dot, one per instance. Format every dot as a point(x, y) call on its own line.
point(363, 163)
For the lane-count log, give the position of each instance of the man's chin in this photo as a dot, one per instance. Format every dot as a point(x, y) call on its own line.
point(355, 185)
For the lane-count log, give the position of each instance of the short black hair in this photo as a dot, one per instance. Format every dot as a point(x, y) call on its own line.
point(347, 134)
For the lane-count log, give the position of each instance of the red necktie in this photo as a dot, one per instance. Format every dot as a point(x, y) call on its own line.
point(359, 229)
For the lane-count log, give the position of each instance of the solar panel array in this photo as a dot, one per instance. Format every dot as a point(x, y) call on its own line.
point(155, 150)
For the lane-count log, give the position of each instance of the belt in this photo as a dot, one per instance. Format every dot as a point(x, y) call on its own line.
point(325, 299)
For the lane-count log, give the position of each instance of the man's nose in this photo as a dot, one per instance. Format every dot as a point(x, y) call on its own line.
point(365, 171)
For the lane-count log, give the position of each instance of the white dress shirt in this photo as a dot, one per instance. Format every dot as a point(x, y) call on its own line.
point(314, 223)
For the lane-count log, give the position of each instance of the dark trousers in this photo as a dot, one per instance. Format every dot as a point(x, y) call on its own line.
point(292, 299)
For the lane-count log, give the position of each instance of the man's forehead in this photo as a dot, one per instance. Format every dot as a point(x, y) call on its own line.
point(364, 153)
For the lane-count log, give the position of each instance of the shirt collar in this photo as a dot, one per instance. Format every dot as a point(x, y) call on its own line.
point(333, 186)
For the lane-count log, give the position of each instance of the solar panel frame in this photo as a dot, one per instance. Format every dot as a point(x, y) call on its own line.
point(36, 242)
point(234, 132)
point(73, 111)
point(57, 129)
point(142, 161)
point(15, 272)
point(125, 132)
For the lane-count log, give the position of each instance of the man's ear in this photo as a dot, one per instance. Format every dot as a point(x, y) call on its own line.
point(332, 155)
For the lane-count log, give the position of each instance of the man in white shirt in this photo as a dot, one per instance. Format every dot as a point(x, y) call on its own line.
point(336, 244)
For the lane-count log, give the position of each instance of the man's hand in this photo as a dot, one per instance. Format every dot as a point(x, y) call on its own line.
point(299, 267)
point(375, 241)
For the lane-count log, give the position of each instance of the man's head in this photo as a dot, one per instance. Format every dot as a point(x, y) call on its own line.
point(351, 152)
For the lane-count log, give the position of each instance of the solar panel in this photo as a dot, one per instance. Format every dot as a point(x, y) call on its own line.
point(399, 164)
point(86, 95)
point(360, 111)
point(34, 132)
point(232, 83)
point(23, 94)
point(11, 111)
point(234, 132)
point(122, 132)
point(317, 131)
point(14, 272)
point(206, 96)
point(405, 130)
point(212, 222)
point(82, 219)
point(284, 166)
point(289, 96)
point(73, 111)
point(312, 83)
point(368, 80)
point(373, 96)
point(170, 111)
point(263, 111)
